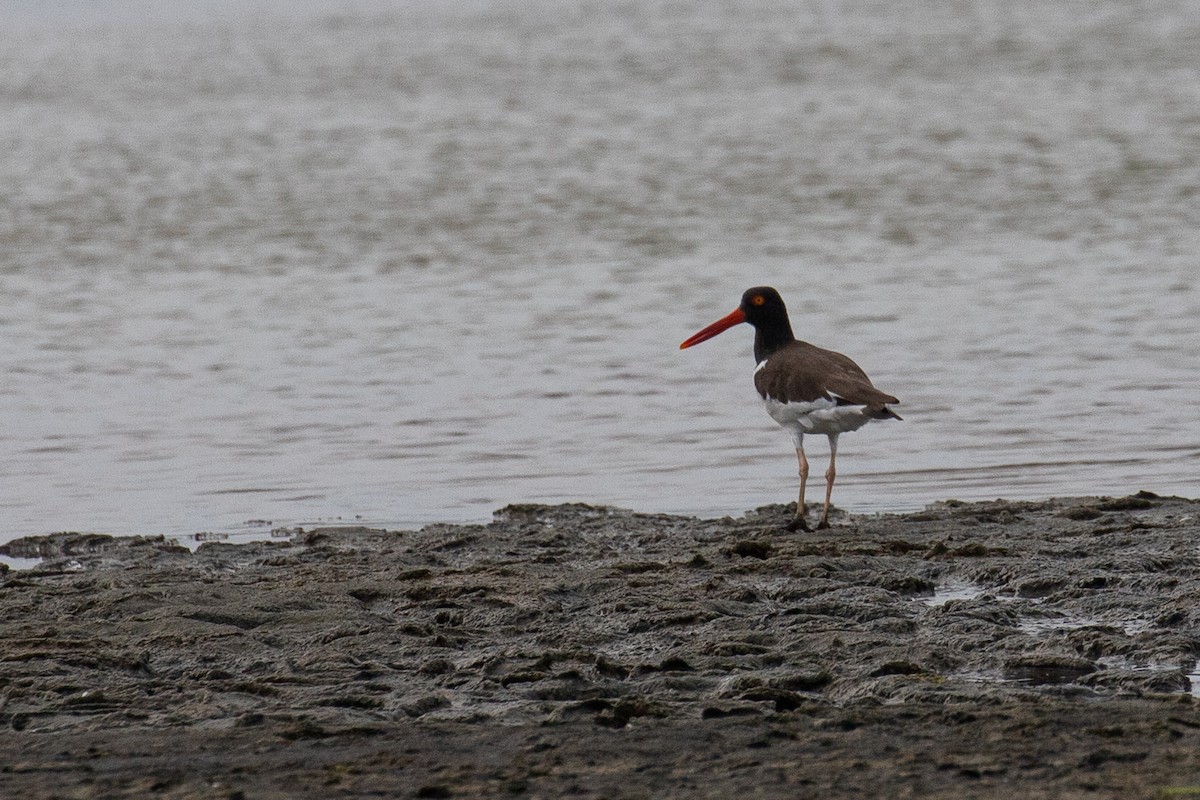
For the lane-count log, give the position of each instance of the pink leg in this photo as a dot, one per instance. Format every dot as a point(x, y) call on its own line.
point(798, 523)
point(830, 474)
point(801, 508)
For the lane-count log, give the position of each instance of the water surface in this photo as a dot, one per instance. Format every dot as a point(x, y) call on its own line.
point(395, 263)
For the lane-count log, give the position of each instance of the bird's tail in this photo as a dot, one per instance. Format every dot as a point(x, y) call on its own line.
point(883, 412)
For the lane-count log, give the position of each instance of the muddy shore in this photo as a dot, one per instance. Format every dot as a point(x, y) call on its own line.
point(1034, 649)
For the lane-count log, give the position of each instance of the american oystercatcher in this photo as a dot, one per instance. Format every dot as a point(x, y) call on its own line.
point(805, 388)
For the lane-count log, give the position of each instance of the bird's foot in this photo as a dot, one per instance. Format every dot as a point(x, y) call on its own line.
point(798, 523)
point(823, 524)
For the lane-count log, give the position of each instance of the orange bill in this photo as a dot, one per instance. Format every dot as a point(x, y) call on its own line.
point(735, 317)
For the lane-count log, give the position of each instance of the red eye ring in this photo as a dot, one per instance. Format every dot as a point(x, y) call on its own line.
point(758, 300)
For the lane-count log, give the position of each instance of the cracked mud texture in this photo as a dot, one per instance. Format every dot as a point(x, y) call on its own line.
point(1039, 649)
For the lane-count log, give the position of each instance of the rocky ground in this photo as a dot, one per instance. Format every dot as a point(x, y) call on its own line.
point(1034, 649)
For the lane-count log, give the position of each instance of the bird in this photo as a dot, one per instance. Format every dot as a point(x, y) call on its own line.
point(805, 388)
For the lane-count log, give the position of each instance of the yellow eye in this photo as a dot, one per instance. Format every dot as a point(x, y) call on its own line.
point(758, 300)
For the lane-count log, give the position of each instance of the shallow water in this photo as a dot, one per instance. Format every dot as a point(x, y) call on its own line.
point(399, 263)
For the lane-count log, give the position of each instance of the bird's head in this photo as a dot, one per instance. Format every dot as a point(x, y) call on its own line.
point(760, 306)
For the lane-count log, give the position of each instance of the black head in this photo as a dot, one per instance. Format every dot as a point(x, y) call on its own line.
point(763, 307)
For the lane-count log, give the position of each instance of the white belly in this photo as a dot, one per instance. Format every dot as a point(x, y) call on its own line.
point(820, 416)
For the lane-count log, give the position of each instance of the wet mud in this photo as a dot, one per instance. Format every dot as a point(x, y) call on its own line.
point(1046, 649)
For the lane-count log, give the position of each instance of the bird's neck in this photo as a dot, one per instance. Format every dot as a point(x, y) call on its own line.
point(769, 338)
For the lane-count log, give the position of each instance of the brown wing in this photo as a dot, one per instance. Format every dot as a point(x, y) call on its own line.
point(801, 372)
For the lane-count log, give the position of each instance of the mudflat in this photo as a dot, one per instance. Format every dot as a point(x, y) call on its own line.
point(1030, 649)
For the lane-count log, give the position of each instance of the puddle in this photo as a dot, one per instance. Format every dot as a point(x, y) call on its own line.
point(16, 564)
point(1124, 664)
point(962, 590)
point(982, 677)
point(1048, 624)
point(953, 590)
